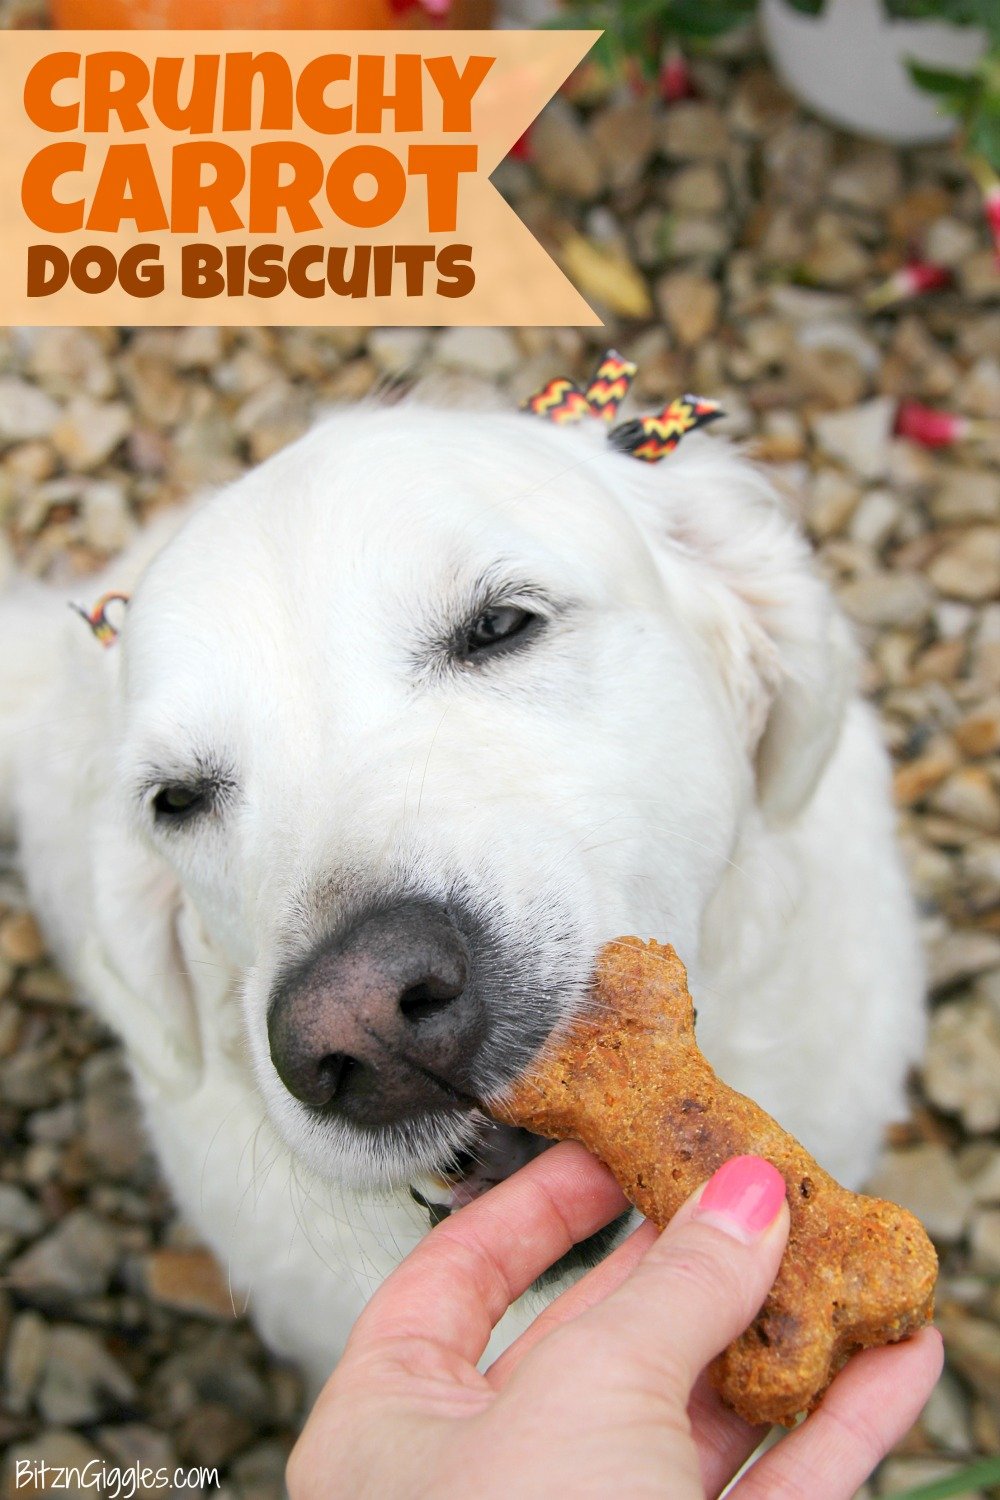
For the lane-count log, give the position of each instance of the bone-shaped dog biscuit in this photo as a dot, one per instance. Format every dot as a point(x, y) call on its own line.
point(629, 1082)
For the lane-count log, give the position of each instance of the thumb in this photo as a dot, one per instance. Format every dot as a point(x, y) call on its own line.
point(702, 1282)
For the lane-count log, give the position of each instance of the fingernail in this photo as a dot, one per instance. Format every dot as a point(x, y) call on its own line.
point(743, 1198)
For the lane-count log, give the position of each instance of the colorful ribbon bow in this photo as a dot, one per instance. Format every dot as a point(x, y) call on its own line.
point(562, 401)
point(97, 618)
point(648, 438)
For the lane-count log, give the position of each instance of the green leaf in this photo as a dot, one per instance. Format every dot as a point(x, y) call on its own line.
point(975, 1477)
point(943, 81)
point(984, 138)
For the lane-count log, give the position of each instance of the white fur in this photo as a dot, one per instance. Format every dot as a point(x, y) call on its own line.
point(679, 754)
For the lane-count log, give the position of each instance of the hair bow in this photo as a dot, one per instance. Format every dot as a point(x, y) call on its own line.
point(97, 618)
point(647, 438)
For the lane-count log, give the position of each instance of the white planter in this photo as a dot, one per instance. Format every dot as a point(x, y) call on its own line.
point(849, 65)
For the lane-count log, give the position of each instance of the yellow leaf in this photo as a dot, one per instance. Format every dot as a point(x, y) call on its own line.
point(606, 276)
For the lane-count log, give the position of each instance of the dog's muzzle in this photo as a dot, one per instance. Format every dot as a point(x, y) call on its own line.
point(385, 1023)
point(385, 1026)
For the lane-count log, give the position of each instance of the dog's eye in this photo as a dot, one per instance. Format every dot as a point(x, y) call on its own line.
point(177, 802)
point(495, 627)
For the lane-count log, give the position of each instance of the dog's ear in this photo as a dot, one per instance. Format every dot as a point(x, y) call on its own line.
point(148, 964)
point(736, 565)
point(817, 675)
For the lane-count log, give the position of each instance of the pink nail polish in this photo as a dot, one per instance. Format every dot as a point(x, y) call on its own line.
point(743, 1198)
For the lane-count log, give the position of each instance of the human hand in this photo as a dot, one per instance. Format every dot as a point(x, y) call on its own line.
point(605, 1393)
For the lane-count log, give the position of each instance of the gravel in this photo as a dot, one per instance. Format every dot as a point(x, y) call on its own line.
point(730, 242)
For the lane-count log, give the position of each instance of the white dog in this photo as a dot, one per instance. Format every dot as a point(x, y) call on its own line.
point(400, 728)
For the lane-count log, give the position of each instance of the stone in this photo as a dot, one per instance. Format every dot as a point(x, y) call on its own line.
point(68, 361)
point(259, 1472)
point(834, 258)
point(980, 869)
point(563, 154)
point(969, 567)
point(948, 241)
point(107, 523)
point(690, 304)
point(984, 1242)
point(875, 519)
point(20, 1215)
point(698, 189)
point(969, 796)
point(21, 941)
point(883, 598)
point(57, 1449)
point(973, 1346)
point(199, 348)
point(832, 501)
point(980, 1165)
point(133, 1443)
point(59, 1124)
point(190, 1281)
point(44, 985)
point(760, 104)
point(489, 352)
point(25, 411)
point(925, 1180)
point(979, 734)
point(782, 438)
point(24, 1360)
point(700, 237)
point(945, 1418)
point(212, 1435)
point(871, 179)
point(798, 158)
point(81, 1382)
point(396, 351)
point(89, 431)
point(114, 1139)
point(979, 276)
point(932, 873)
point(35, 1077)
point(77, 1258)
point(965, 496)
point(962, 1067)
point(858, 436)
point(941, 662)
point(961, 955)
point(905, 1474)
point(694, 130)
point(978, 393)
point(832, 376)
point(272, 417)
point(624, 136)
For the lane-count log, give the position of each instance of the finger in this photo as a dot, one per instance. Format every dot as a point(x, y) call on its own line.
point(873, 1401)
point(444, 1299)
point(693, 1292)
point(723, 1440)
point(583, 1294)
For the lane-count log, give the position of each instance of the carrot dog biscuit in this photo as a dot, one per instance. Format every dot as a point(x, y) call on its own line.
point(629, 1082)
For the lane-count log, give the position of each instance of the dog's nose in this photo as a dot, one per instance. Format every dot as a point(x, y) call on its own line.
point(383, 1024)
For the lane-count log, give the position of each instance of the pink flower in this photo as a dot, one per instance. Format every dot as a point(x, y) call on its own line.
point(929, 427)
point(676, 82)
point(911, 280)
point(991, 204)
